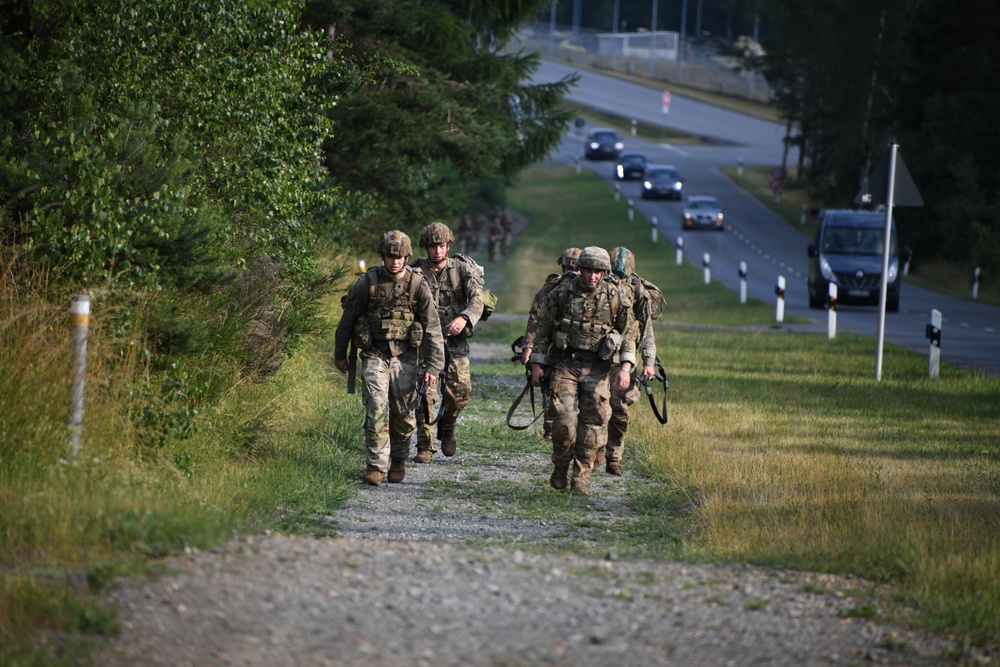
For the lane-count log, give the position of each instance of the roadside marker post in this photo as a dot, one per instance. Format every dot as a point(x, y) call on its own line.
point(743, 282)
point(576, 161)
point(618, 192)
point(631, 210)
point(706, 261)
point(934, 336)
point(79, 327)
point(653, 224)
point(680, 250)
point(780, 292)
point(635, 123)
point(832, 322)
point(975, 283)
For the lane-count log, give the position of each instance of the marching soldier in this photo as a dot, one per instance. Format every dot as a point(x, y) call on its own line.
point(623, 267)
point(391, 314)
point(567, 260)
point(581, 325)
point(457, 289)
point(495, 234)
point(467, 235)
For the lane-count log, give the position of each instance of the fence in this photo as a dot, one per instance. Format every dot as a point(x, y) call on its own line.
point(659, 56)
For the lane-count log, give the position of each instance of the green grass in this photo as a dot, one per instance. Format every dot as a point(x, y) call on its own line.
point(783, 449)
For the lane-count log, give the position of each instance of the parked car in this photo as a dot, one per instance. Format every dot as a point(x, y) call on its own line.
point(630, 165)
point(701, 212)
point(848, 251)
point(602, 144)
point(662, 181)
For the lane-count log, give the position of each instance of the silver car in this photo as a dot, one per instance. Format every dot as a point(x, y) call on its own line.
point(702, 212)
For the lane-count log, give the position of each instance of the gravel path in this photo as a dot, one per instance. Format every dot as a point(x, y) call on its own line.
point(435, 571)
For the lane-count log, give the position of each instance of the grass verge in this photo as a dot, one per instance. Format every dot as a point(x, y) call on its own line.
point(783, 449)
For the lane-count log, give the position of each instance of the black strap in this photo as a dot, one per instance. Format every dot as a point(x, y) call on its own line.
point(530, 390)
point(661, 376)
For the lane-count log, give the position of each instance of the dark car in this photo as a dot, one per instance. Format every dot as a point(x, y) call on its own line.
point(602, 144)
point(662, 181)
point(848, 251)
point(630, 165)
point(701, 212)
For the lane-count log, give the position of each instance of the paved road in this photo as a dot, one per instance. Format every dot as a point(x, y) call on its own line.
point(755, 234)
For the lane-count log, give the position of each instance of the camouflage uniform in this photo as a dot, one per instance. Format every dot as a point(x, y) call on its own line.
point(467, 236)
point(567, 260)
point(578, 333)
point(495, 235)
point(396, 327)
point(623, 263)
point(457, 291)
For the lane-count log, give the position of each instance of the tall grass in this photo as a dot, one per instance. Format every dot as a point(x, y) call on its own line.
point(783, 449)
point(251, 455)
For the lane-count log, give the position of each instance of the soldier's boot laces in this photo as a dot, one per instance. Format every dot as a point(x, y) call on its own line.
point(397, 470)
point(448, 443)
point(423, 456)
point(558, 478)
point(373, 478)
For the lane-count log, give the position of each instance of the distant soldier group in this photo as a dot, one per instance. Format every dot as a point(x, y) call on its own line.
point(588, 344)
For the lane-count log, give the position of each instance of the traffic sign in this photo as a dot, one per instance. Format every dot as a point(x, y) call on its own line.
point(666, 101)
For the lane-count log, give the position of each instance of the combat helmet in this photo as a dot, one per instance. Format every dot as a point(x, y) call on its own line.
point(593, 257)
point(622, 262)
point(568, 258)
point(436, 233)
point(395, 243)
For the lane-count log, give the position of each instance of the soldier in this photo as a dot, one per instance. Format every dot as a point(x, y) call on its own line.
point(467, 234)
point(495, 235)
point(507, 222)
point(580, 327)
point(457, 288)
point(623, 267)
point(567, 260)
point(391, 314)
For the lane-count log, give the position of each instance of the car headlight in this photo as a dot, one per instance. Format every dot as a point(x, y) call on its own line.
point(619, 145)
point(678, 185)
point(893, 271)
point(826, 271)
point(718, 216)
point(687, 215)
point(647, 185)
point(594, 145)
point(621, 171)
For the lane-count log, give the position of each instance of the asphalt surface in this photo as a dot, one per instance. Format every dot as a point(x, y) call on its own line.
point(770, 246)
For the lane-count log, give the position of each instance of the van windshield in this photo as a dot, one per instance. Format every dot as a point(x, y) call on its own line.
point(854, 241)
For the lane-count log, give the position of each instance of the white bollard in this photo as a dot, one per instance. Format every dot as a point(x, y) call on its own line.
point(831, 328)
point(680, 250)
point(743, 282)
point(975, 283)
point(635, 123)
point(631, 210)
point(618, 193)
point(79, 327)
point(706, 261)
point(780, 291)
point(739, 170)
point(802, 221)
point(934, 335)
point(577, 162)
point(652, 223)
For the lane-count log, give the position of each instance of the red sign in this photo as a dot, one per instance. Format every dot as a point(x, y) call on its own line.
point(666, 101)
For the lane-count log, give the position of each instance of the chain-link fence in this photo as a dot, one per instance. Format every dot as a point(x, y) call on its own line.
point(660, 56)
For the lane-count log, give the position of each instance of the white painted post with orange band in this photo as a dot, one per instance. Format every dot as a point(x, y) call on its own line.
point(79, 327)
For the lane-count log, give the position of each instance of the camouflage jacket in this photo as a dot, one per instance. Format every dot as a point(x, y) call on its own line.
point(458, 292)
point(388, 316)
point(642, 314)
point(550, 284)
point(574, 323)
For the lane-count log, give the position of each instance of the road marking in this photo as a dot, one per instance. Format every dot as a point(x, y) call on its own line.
point(670, 147)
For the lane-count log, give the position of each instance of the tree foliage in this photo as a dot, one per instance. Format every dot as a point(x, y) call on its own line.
point(440, 106)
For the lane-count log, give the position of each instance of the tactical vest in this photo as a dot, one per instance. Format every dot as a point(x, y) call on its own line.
point(448, 291)
point(586, 321)
point(391, 307)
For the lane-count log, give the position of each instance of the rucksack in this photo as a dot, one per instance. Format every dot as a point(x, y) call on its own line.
point(490, 299)
point(656, 301)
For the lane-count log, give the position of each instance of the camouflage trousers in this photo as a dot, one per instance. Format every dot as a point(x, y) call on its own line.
point(620, 416)
point(581, 405)
point(455, 392)
point(389, 394)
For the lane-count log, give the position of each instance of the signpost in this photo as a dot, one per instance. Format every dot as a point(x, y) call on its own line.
point(666, 101)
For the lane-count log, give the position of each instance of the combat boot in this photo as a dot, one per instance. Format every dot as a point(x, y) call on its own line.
point(614, 468)
point(374, 477)
point(581, 475)
point(423, 456)
point(558, 478)
point(397, 470)
point(447, 433)
point(579, 486)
